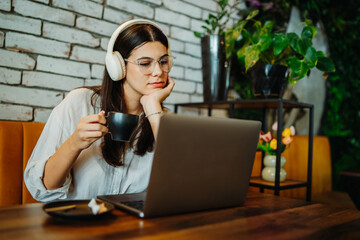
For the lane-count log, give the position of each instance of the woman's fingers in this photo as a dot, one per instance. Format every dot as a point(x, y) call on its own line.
point(89, 129)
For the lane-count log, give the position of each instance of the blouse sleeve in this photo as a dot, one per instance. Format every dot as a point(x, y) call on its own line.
point(59, 127)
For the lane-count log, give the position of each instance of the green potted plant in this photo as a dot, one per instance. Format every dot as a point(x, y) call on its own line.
point(281, 55)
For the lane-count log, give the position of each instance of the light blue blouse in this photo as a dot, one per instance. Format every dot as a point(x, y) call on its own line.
point(91, 175)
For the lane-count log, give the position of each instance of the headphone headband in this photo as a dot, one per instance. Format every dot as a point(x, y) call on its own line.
point(124, 26)
point(115, 64)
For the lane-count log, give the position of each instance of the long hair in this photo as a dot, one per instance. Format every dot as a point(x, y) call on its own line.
point(112, 95)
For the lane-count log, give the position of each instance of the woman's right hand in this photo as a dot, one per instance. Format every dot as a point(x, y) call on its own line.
point(89, 129)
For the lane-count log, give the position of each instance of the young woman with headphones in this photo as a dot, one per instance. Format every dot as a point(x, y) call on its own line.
point(75, 157)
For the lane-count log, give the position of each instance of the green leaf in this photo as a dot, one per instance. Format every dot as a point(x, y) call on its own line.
point(320, 54)
point(252, 14)
point(307, 43)
point(298, 69)
point(307, 33)
point(280, 43)
point(264, 42)
point(197, 34)
point(252, 55)
point(310, 57)
point(211, 16)
point(268, 25)
point(298, 45)
point(325, 64)
point(309, 24)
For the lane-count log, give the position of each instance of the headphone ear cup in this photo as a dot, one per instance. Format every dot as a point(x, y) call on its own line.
point(170, 54)
point(115, 65)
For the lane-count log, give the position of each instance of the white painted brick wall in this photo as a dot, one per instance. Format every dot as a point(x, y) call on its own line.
point(96, 26)
point(97, 71)
point(2, 37)
point(193, 75)
point(32, 44)
point(104, 43)
point(64, 67)
point(195, 25)
point(41, 114)
point(177, 72)
point(48, 48)
point(188, 61)
point(27, 8)
point(113, 15)
point(205, 4)
point(10, 76)
point(70, 35)
point(176, 45)
point(155, 2)
point(42, 1)
point(5, 5)
point(133, 7)
point(21, 24)
point(176, 97)
point(193, 49)
point(81, 6)
point(199, 88)
point(16, 60)
point(30, 96)
point(15, 112)
point(184, 35)
point(196, 98)
point(88, 55)
point(93, 82)
point(185, 86)
point(184, 8)
point(52, 81)
point(169, 17)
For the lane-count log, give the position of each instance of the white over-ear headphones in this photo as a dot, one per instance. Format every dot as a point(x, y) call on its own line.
point(115, 63)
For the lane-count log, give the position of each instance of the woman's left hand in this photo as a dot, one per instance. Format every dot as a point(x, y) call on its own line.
point(152, 104)
point(157, 97)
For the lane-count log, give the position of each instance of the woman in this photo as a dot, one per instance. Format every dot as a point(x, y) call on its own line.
point(75, 157)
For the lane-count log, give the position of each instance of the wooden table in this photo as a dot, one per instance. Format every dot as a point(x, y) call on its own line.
point(262, 217)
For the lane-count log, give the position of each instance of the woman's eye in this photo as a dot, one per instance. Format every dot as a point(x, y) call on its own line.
point(145, 63)
point(164, 62)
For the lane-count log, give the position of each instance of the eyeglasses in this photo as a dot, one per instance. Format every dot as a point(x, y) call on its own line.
point(147, 65)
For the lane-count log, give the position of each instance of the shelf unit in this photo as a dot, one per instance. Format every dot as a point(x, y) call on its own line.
point(265, 104)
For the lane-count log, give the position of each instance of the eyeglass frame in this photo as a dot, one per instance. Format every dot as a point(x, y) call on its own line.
point(152, 62)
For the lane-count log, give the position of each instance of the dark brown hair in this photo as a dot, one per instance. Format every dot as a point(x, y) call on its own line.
point(112, 97)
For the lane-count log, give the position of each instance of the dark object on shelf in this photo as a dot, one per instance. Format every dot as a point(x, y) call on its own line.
point(351, 182)
point(214, 67)
point(268, 80)
point(265, 104)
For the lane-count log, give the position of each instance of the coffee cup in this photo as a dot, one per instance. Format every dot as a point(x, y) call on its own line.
point(121, 125)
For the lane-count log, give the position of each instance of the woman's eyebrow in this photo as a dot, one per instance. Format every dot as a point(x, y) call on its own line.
point(166, 54)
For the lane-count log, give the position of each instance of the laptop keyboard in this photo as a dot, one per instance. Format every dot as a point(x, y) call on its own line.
point(135, 204)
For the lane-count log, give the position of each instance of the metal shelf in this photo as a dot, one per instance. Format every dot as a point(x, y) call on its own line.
point(271, 103)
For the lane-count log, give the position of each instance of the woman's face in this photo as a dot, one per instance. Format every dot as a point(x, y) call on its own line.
point(136, 83)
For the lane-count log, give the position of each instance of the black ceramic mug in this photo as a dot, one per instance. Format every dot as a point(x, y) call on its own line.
point(121, 125)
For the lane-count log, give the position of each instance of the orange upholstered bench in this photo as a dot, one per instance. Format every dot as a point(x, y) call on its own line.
point(17, 141)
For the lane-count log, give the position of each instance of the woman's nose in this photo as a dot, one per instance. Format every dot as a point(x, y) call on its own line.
point(157, 69)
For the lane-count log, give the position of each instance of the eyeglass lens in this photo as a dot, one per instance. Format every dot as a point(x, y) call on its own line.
point(147, 65)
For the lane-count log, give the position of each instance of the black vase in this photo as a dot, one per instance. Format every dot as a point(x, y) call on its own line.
point(268, 80)
point(214, 66)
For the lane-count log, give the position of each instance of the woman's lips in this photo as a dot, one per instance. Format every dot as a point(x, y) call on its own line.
point(157, 84)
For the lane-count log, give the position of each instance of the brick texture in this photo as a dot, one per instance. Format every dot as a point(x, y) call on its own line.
point(48, 48)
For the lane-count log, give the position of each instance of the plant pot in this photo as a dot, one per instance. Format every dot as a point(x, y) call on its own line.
point(214, 68)
point(268, 172)
point(268, 80)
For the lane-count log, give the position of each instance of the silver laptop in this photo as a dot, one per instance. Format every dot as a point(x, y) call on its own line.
point(200, 163)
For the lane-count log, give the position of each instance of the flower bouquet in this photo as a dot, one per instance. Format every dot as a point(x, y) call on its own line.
point(268, 142)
